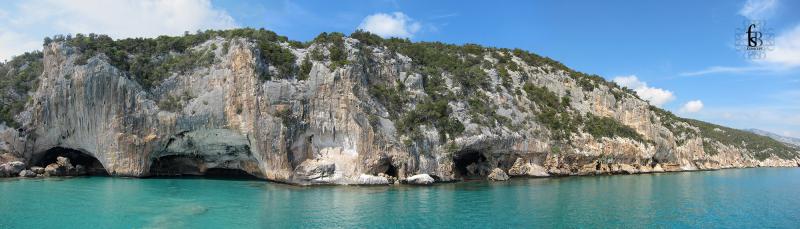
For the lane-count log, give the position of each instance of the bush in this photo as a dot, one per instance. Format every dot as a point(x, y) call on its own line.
point(305, 69)
point(609, 127)
point(144, 58)
point(18, 77)
point(554, 112)
point(760, 147)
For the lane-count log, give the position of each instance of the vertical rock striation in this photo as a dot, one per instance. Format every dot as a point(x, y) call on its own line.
point(373, 117)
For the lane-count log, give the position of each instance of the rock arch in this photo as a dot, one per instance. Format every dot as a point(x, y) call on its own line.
point(89, 164)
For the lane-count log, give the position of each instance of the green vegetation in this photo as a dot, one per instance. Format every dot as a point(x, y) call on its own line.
point(609, 127)
point(761, 147)
point(175, 103)
point(305, 69)
point(553, 111)
point(337, 51)
point(150, 60)
point(18, 77)
point(435, 113)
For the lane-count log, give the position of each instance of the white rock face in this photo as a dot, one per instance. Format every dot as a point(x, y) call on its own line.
point(498, 175)
point(332, 129)
point(372, 180)
point(420, 179)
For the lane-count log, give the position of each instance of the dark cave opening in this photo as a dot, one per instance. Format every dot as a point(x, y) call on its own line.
point(468, 164)
point(224, 173)
point(193, 166)
point(91, 165)
point(391, 170)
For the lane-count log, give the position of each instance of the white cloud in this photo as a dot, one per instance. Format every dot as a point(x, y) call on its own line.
point(758, 9)
point(724, 69)
point(785, 56)
point(396, 24)
point(12, 43)
point(692, 106)
point(787, 49)
point(656, 96)
point(33, 20)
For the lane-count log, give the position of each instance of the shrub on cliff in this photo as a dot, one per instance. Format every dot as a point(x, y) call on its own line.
point(18, 77)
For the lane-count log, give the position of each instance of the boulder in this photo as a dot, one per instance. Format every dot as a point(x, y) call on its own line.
point(27, 173)
point(315, 171)
point(522, 167)
point(367, 179)
point(629, 169)
point(420, 179)
point(55, 170)
point(498, 175)
point(11, 168)
point(37, 169)
point(63, 161)
point(658, 169)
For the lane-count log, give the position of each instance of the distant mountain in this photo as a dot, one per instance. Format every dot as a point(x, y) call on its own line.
point(777, 137)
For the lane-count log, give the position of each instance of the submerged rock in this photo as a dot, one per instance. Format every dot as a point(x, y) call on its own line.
point(420, 179)
point(498, 175)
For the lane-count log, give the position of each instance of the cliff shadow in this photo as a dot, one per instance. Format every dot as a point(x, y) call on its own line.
point(194, 166)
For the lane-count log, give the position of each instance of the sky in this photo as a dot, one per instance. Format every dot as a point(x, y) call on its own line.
point(679, 55)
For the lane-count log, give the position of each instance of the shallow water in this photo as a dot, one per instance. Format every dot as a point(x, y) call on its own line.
point(740, 198)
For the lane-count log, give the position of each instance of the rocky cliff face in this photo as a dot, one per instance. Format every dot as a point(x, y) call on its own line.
point(371, 116)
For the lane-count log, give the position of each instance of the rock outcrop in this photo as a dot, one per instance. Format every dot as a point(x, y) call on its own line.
point(11, 169)
point(344, 110)
point(420, 179)
point(498, 175)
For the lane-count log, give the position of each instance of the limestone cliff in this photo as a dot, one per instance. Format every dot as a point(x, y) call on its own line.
point(353, 110)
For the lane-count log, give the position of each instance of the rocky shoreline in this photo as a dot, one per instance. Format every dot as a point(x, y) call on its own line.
point(364, 110)
point(64, 168)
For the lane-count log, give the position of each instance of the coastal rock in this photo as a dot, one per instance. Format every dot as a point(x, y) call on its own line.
point(63, 167)
point(522, 167)
point(315, 170)
point(657, 168)
point(55, 170)
point(420, 179)
point(37, 169)
point(11, 168)
point(27, 173)
point(366, 179)
point(372, 111)
point(629, 169)
point(498, 175)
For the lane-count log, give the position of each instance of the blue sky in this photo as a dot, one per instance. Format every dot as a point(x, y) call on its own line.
point(679, 54)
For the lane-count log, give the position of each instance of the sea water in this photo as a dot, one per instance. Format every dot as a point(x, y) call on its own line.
point(734, 198)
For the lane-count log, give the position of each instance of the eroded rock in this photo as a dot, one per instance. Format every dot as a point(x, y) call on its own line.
point(11, 168)
point(498, 174)
point(27, 173)
point(420, 179)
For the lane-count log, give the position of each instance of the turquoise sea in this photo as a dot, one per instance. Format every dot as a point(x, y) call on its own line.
point(735, 198)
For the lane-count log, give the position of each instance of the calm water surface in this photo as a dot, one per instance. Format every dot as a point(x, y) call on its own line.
point(737, 198)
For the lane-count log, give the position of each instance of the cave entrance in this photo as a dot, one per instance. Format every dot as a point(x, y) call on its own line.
point(91, 165)
point(193, 166)
point(469, 164)
point(391, 170)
